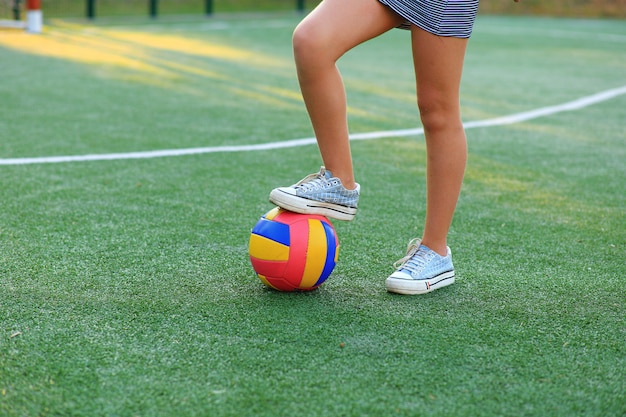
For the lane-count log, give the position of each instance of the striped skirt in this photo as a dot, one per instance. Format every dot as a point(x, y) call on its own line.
point(440, 17)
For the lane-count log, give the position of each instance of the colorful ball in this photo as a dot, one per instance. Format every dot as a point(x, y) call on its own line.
point(291, 251)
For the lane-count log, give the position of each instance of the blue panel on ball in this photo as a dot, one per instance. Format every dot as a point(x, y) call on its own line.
point(331, 249)
point(278, 232)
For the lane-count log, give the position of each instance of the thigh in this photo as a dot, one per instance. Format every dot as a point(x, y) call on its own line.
point(340, 25)
point(438, 66)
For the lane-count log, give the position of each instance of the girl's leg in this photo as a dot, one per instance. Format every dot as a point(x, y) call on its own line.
point(438, 67)
point(328, 32)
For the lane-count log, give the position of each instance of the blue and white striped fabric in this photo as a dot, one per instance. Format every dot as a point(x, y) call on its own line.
point(440, 17)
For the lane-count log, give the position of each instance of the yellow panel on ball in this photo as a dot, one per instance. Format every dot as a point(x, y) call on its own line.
point(316, 254)
point(267, 249)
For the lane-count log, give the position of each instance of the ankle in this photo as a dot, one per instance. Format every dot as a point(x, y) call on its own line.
point(346, 178)
point(348, 184)
point(440, 248)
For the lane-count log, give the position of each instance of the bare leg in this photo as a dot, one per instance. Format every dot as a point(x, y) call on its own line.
point(328, 32)
point(438, 67)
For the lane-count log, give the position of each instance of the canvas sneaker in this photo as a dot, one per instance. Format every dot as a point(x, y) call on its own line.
point(422, 270)
point(318, 193)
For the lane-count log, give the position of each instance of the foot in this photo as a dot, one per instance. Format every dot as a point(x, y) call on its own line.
point(422, 270)
point(319, 193)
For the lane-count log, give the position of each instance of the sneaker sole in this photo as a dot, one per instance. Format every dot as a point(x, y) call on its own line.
point(305, 206)
point(421, 286)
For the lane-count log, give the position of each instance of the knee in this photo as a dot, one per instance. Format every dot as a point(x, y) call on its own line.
point(309, 44)
point(438, 111)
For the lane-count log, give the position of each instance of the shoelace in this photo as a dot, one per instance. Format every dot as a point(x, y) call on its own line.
point(313, 182)
point(410, 261)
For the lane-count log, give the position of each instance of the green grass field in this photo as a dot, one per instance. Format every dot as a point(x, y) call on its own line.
point(125, 284)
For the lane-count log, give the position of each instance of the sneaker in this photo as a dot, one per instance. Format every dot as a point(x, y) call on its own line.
point(422, 270)
point(319, 193)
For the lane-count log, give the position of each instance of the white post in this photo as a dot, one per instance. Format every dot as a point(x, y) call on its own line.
point(34, 17)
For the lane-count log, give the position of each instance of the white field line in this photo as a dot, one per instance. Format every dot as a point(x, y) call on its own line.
point(13, 24)
point(498, 121)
